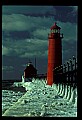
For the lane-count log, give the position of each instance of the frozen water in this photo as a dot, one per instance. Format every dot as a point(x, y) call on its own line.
point(43, 100)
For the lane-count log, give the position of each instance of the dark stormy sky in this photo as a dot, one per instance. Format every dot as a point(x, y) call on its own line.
point(25, 36)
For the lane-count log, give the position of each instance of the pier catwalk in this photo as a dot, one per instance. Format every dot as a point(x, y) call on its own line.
point(41, 100)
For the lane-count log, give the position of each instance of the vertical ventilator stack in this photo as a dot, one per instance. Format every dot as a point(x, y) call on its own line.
point(54, 52)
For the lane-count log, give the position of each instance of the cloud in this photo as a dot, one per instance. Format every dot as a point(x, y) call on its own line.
point(20, 22)
point(8, 50)
point(25, 48)
point(34, 47)
point(33, 10)
point(69, 31)
point(4, 50)
point(37, 54)
point(16, 35)
point(29, 34)
point(19, 26)
point(61, 13)
point(25, 35)
point(18, 42)
point(69, 49)
point(7, 68)
point(75, 9)
point(41, 33)
point(66, 13)
point(15, 22)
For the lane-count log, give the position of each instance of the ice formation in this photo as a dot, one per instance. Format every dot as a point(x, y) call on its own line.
point(42, 100)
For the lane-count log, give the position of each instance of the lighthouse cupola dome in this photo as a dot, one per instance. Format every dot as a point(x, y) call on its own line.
point(55, 28)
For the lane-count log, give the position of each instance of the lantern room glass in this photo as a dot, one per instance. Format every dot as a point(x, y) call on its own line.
point(55, 31)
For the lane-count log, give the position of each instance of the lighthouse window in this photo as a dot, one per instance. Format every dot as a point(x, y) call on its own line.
point(55, 30)
point(58, 31)
point(52, 31)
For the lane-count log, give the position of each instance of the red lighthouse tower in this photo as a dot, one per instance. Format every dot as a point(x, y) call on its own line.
point(54, 52)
